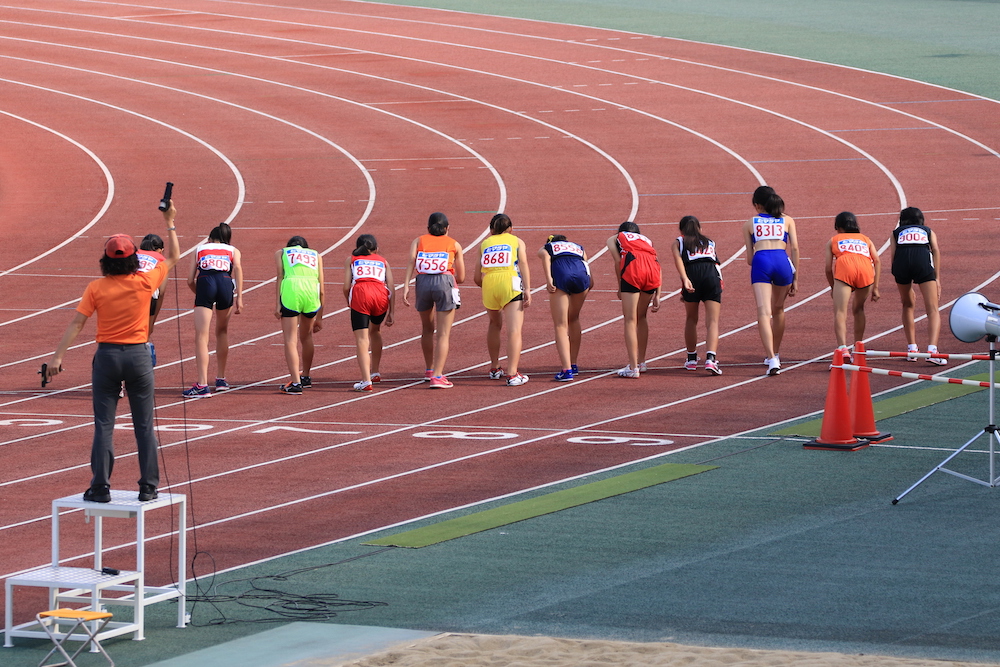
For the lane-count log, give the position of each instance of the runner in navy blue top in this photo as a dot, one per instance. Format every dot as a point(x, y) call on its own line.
point(568, 281)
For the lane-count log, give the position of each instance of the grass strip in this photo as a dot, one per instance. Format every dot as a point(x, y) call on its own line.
point(534, 507)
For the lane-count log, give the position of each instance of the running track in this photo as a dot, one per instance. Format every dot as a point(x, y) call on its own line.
point(331, 118)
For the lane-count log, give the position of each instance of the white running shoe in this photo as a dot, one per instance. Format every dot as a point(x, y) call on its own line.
point(912, 348)
point(932, 360)
point(774, 365)
point(712, 366)
point(692, 364)
point(643, 368)
point(628, 372)
point(496, 373)
point(516, 380)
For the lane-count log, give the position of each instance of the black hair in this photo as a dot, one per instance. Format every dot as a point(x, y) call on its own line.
point(366, 245)
point(119, 266)
point(297, 241)
point(437, 224)
point(911, 216)
point(690, 228)
point(761, 194)
point(628, 226)
point(774, 205)
point(222, 233)
point(846, 222)
point(557, 237)
point(151, 242)
point(500, 223)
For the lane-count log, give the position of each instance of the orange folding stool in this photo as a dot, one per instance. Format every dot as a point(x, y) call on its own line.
point(89, 622)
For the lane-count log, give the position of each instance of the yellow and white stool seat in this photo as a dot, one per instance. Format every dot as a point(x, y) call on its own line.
point(90, 623)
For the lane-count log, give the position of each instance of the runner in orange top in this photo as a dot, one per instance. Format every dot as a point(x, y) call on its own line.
point(852, 267)
point(121, 300)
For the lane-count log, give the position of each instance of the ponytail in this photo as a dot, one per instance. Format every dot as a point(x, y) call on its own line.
point(222, 233)
point(690, 228)
point(500, 223)
point(366, 245)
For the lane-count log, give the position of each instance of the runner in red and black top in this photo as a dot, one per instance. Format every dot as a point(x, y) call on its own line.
point(917, 259)
point(701, 281)
point(370, 295)
point(638, 273)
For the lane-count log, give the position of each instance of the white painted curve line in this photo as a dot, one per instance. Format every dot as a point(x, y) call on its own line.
point(173, 128)
point(890, 176)
point(108, 178)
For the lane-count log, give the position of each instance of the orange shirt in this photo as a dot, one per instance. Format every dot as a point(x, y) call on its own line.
point(436, 254)
point(122, 305)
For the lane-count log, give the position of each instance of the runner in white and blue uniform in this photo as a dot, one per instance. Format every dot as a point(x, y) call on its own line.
point(568, 280)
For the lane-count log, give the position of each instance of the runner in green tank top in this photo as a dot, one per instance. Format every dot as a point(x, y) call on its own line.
point(299, 307)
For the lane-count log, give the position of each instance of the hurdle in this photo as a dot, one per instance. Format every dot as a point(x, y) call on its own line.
point(920, 376)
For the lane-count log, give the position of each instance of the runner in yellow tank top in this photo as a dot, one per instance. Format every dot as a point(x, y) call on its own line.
point(503, 274)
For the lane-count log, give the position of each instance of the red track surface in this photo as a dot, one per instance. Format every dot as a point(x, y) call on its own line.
point(284, 119)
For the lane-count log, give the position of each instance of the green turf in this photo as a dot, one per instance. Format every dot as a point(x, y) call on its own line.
point(896, 405)
point(535, 507)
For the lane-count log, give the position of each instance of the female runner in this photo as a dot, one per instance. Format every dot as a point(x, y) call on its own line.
point(503, 274)
point(437, 261)
point(852, 267)
point(568, 281)
point(216, 279)
point(299, 306)
point(637, 272)
point(917, 259)
point(698, 267)
point(367, 288)
point(773, 255)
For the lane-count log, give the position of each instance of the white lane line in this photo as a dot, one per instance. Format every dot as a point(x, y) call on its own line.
point(108, 178)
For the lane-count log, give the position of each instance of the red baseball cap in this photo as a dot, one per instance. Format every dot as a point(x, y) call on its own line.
point(119, 245)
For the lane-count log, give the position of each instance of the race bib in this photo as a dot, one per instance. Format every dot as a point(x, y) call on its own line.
point(368, 268)
point(147, 263)
point(215, 263)
point(566, 248)
point(300, 256)
point(633, 236)
point(516, 284)
point(913, 236)
point(768, 229)
point(498, 256)
point(432, 262)
point(703, 253)
point(854, 246)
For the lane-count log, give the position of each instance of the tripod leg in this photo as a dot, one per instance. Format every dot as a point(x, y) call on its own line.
point(939, 466)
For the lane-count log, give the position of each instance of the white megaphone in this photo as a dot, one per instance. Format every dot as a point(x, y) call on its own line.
point(973, 317)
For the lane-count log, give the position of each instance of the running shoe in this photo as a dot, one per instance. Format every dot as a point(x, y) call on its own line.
point(363, 386)
point(692, 364)
point(428, 374)
point(932, 360)
point(576, 371)
point(564, 376)
point(643, 367)
point(773, 365)
point(516, 380)
point(441, 383)
point(628, 372)
point(846, 354)
point(197, 391)
point(305, 381)
point(496, 373)
point(221, 384)
point(909, 349)
point(712, 366)
point(376, 377)
point(291, 388)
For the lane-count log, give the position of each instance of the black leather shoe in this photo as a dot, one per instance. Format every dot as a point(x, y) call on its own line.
point(101, 493)
point(148, 492)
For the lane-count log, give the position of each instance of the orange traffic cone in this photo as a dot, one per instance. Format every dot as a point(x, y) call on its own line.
point(862, 410)
point(836, 432)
